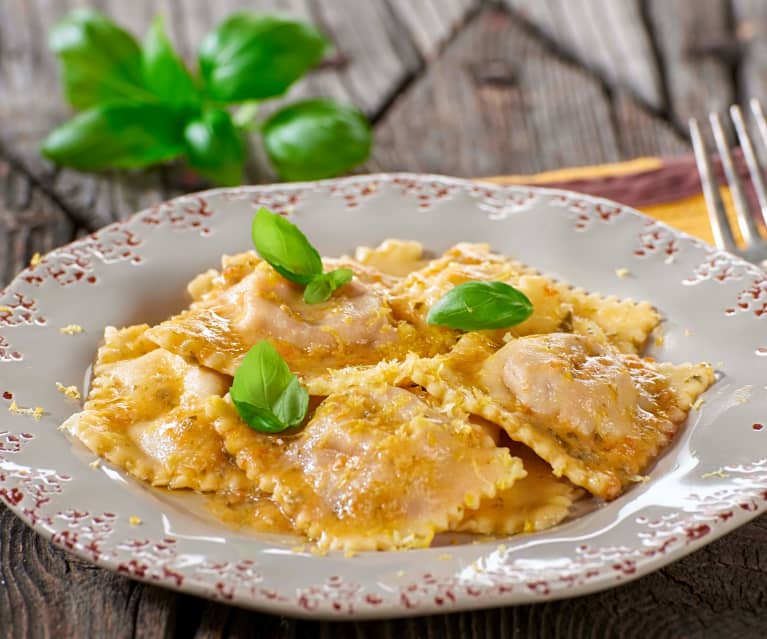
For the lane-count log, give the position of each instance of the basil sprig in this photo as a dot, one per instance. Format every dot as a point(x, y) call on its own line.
point(141, 105)
point(285, 247)
point(268, 397)
point(474, 306)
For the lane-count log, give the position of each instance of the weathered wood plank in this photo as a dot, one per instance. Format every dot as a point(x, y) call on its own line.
point(605, 35)
point(693, 40)
point(374, 42)
point(29, 222)
point(751, 31)
point(514, 108)
point(642, 133)
point(432, 22)
point(94, 603)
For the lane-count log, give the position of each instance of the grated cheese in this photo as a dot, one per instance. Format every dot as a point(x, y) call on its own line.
point(70, 392)
point(622, 272)
point(36, 412)
point(717, 473)
point(135, 521)
point(36, 259)
point(71, 329)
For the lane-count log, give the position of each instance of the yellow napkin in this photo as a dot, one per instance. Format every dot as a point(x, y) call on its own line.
point(687, 214)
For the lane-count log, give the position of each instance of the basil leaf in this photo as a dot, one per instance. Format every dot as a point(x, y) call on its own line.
point(473, 306)
point(268, 397)
point(259, 419)
point(122, 135)
point(215, 147)
point(291, 406)
point(322, 286)
point(251, 56)
point(100, 62)
point(164, 72)
point(282, 244)
point(317, 138)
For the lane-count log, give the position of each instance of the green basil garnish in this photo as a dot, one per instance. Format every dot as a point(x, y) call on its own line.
point(215, 147)
point(252, 56)
point(287, 250)
point(141, 105)
point(268, 397)
point(121, 134)
point(100, 62)
point(474, 306)
point(322, 286)
point(316, 139)
point(164, 72)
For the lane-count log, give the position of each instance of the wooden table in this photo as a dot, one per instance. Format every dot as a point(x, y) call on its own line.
point(452, 86)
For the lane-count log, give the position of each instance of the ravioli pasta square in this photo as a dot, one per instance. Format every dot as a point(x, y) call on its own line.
point(556, 306)
point(538, 501)
point(412, 429)
point(145, 413)
point(249, 301)
point(598, 416)
point(373, 469)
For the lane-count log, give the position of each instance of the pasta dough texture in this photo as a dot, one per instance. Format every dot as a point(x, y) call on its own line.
point(249, 301)
point(373, 469)
point(412, 430)
point(145, 413)
point(598, 416)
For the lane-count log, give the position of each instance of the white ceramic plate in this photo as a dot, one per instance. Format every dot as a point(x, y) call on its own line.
point(713, 478)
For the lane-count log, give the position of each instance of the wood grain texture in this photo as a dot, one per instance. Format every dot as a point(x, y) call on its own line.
point(492, 103)
point(377, 55)
point(750, 29)
point(695, 43)
point(48, 593)
point(604, 35)
point(642, 133)
point(30, 222)
point(454, 86)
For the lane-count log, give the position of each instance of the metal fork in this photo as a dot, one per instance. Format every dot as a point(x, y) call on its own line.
point(754, 247)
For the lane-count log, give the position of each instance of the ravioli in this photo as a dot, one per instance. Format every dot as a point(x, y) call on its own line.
point(537, 502)
point(249, 301)
point(372, 469)
point(598, 416)
point(556, 305)
point(145, 413)
point(393, 257)
point(412, 429)
point(251, 511)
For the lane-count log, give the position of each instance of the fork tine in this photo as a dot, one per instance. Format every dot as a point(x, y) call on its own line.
point(754, 167)
point(742, 213)
point(716, 213)
point(761, 124)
